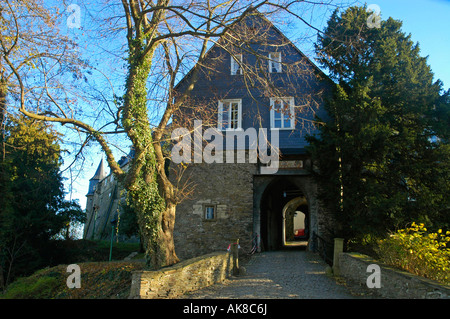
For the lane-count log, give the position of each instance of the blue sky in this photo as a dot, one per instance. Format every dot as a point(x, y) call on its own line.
point(428, 21)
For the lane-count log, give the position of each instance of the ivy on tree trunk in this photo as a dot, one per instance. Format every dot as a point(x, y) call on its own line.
point(155, 218)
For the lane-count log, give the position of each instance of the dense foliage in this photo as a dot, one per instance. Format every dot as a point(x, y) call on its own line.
point(418, 251)
point(383, 155)
point(33, 210)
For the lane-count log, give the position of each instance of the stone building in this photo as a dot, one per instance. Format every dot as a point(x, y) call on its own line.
point(103, 203)
point(264, 209)
point(241, 198)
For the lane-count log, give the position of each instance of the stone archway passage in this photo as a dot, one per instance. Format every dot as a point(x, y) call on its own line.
point(271, 194)
point(295, 220)
point(280, 197)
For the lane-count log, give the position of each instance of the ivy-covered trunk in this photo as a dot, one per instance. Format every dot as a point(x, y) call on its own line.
point(156, 221)
point(3, 92)
point(145, 190)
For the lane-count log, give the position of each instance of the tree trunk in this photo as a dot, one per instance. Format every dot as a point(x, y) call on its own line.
point(145, 188)
point(161, 252)
point(168, 224)
point(156, 222)
point(3, 92)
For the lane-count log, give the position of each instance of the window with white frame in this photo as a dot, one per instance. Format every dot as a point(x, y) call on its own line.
point(230, 114)
point(282, 114)
point(236, 62)
point(275, 62)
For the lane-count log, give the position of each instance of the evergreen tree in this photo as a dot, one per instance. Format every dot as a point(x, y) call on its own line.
point(383, 155)
point(32, 206)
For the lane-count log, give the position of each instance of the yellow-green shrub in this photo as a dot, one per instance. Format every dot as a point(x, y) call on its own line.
point(418, 251)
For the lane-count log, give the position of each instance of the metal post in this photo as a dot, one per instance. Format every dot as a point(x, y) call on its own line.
point(112, 238)
point(235, 250)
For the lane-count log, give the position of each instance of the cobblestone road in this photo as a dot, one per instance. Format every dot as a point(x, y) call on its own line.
point(291, 274)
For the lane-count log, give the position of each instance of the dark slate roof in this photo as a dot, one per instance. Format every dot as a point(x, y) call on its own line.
point(100, 172)
point(257, 15)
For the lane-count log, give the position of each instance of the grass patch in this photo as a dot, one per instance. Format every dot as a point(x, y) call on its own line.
point(99, 280)
point(99, 277)
point(26, 288)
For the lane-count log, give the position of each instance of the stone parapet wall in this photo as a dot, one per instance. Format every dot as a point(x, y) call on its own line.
point(395, 284)
point(176, 280)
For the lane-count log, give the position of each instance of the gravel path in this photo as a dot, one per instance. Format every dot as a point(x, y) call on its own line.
point(290, 274)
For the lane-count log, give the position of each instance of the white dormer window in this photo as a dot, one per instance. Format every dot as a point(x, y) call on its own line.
point(230, 115)
point(236, 62)
point(282, 114)
point(275, 62)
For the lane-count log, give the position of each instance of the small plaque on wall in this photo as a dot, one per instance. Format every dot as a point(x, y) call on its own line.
point(296, 164)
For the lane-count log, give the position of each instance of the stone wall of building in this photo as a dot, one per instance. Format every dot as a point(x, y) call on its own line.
point(102, 207)
point(235, 191)
point(229, 189)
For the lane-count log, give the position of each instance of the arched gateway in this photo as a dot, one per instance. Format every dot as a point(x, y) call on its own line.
point(295, 222)
point(276, 201)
